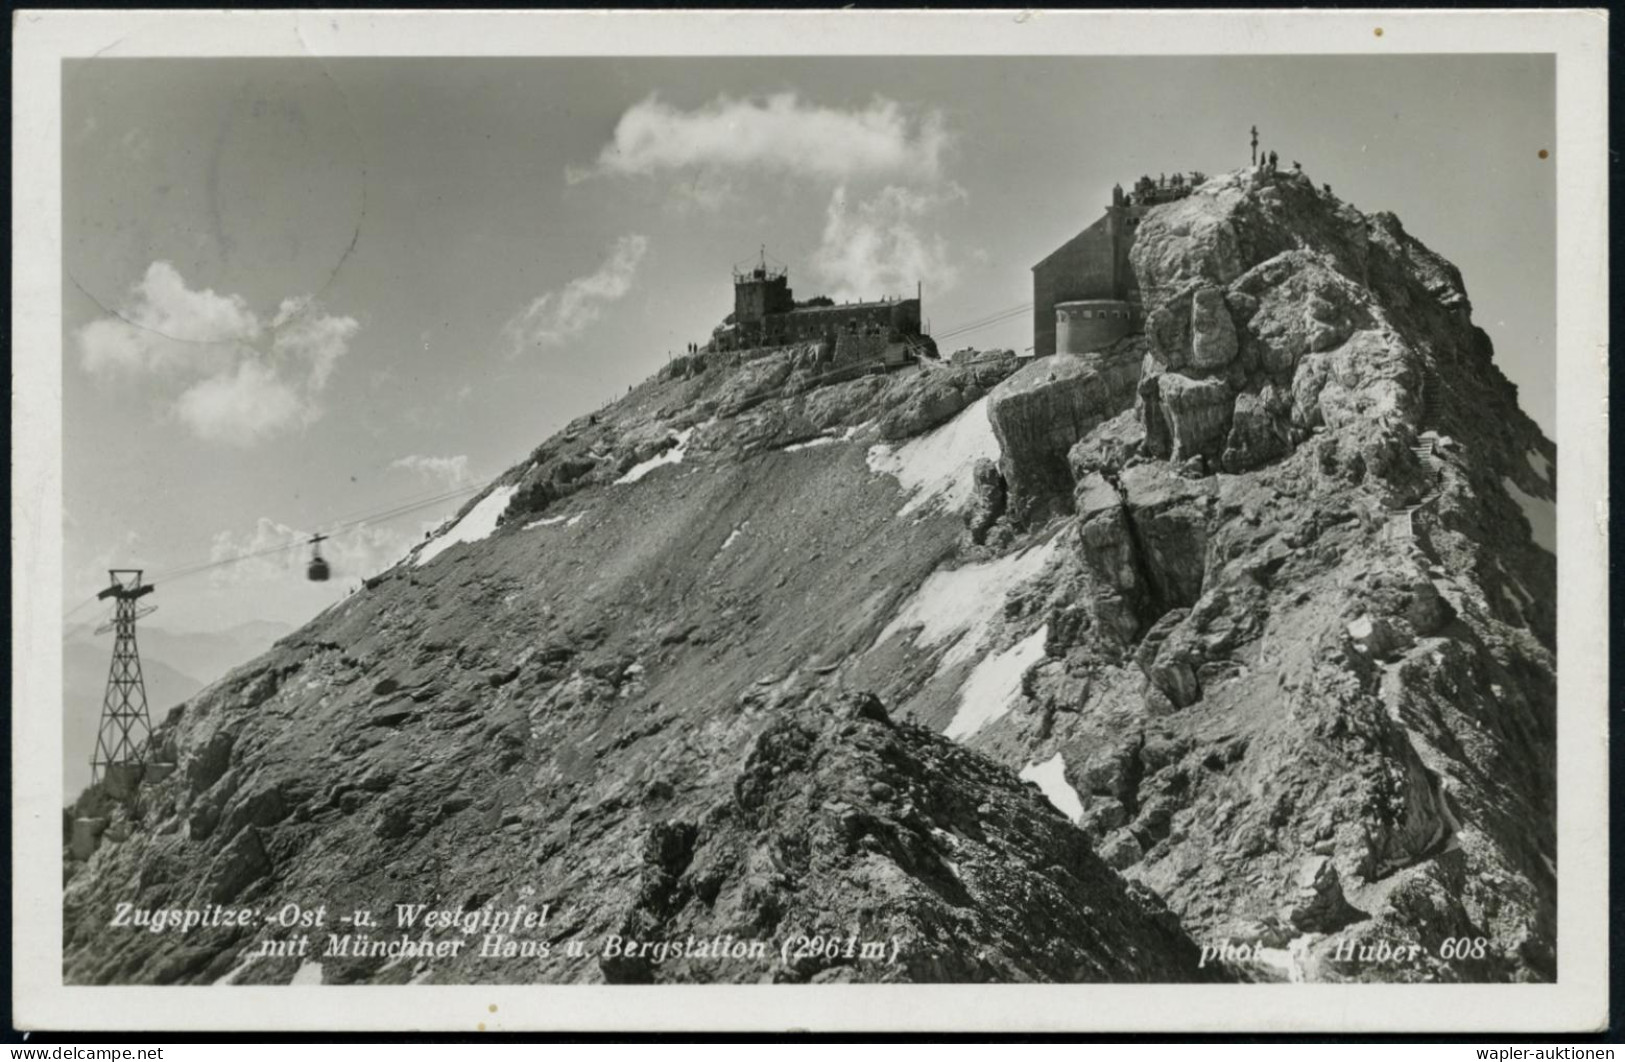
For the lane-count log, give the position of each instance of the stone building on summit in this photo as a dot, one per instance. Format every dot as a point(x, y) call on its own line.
point(766, 314)
point(1084, 293)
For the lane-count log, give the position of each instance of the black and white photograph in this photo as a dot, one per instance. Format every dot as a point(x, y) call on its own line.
point(907, 515)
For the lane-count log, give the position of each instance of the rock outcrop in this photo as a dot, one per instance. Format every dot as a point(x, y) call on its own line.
point(1042, 411)
point(836, 807)
point(941, 396)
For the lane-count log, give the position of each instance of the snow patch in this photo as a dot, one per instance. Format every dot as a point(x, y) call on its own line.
point(994, 685)
point(958, 605)
point(1291, 959)
point(1541, 466)
point(822, 440)
point(825, 440)
point(554, 521)
point(1051, 778)
point(1515, 583)
point(230, 976)
point(936, 467)
point(670, 456)
point(1280, 959)
point(309, 973)
point(1541, 514)
point(479, 522)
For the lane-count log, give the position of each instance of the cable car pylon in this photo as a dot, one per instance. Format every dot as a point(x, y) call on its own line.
point(121, 751)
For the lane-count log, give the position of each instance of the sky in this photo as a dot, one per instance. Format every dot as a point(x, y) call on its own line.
point(300, 294)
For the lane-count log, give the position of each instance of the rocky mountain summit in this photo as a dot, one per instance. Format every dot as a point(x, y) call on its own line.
point(1241, 631)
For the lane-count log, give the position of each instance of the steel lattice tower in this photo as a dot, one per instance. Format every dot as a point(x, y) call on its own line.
point(125, 726)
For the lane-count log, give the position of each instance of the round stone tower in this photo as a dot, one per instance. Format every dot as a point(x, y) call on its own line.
point(1088, 325)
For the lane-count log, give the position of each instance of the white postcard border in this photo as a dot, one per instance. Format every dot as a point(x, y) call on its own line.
point(1577, 1001)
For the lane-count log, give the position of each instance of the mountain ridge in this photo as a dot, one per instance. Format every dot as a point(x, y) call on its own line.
point(1258, 588)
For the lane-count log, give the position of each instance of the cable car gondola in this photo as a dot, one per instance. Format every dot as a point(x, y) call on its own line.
point(318, 571)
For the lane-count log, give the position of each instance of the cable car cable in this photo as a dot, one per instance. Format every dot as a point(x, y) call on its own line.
point(383, 515)
point(976, 321)
point(1011, 314)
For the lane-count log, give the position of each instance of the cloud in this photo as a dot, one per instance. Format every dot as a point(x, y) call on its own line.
point(240, 379)
point(309, 338)
point(881, 245)
point(165, 326)
point(452, 470)
point(242, 406)
point(778, 134)
point(703, 191)
point(884, 160)
point(559, 316)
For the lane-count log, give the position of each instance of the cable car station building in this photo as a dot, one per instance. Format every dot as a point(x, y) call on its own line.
point(1085, 296)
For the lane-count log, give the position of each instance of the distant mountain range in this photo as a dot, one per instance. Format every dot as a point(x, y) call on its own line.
point(174, 665)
